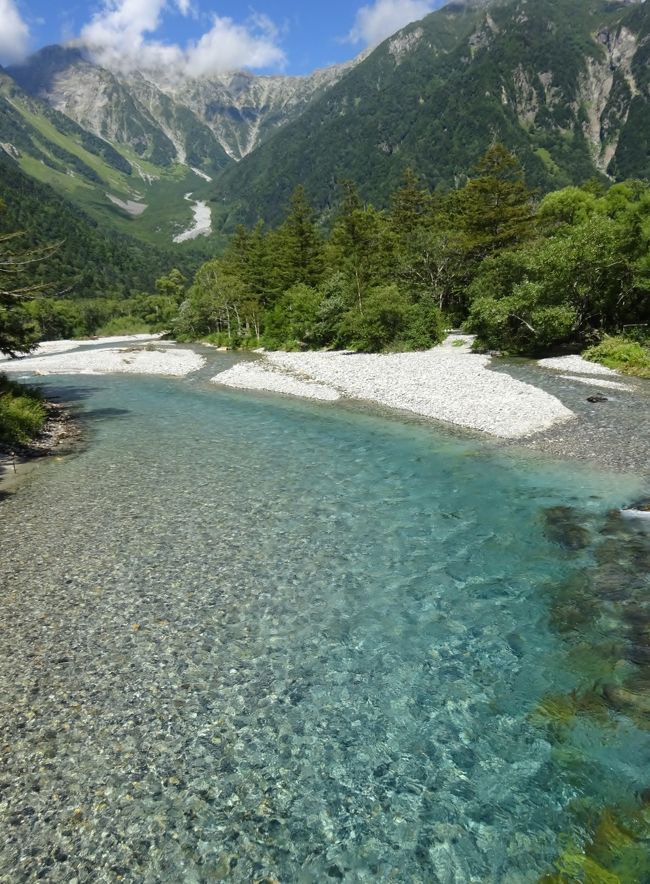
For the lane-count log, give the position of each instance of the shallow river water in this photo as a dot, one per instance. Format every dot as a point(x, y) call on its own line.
point(249, 639)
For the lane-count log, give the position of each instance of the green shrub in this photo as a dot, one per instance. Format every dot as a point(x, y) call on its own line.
point(123, 325)
point(619, 353)
point(22, 413)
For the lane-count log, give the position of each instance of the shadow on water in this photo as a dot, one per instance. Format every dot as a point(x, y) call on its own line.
point(601, 612)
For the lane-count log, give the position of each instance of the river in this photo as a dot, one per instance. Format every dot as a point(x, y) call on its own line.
point(250, 639)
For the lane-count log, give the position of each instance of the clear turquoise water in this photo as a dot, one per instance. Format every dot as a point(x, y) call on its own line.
point(249, 639)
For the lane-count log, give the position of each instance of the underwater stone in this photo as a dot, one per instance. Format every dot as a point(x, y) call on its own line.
point(561, 526)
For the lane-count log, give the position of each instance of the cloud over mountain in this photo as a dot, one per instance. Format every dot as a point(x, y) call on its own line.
point(122, 36)
point(378, 20)
point(14, 33)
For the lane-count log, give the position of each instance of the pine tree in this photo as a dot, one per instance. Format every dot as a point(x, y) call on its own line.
point(494, 209)
point(409, 206)
point(300, 258)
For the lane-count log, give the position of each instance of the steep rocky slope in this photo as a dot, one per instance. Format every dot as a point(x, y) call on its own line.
point(164, 118)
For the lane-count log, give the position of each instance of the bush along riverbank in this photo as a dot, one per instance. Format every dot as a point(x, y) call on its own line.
point(30, 426)
point(623, 354)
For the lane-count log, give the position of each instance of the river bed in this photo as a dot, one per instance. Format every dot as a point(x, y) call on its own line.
point(249, 638)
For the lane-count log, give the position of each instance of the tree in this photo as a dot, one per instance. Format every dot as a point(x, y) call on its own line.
point(172, 286)
point(218, 303)
point(19, 333)
point(409, 207)
point(494, 209)
point(360, 244)
point(300, 248)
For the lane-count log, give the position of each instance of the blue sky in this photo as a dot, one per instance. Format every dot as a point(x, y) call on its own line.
point(206, 36)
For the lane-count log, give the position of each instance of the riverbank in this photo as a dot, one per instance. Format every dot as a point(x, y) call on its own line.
point(448, 383)
point(60, 435)
point(141, 355)
point(566, 408)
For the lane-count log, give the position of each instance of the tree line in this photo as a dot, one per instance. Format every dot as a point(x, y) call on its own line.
point(526, 274)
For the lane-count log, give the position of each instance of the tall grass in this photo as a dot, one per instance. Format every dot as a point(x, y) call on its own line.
point(22, 413)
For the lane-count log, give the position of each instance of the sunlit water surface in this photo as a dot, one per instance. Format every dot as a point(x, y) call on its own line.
point(249, 639)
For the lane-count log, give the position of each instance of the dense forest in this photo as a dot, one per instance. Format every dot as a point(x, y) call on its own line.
point(526, 275)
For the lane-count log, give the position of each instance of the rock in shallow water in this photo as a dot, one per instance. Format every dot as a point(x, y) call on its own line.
point(562, 526)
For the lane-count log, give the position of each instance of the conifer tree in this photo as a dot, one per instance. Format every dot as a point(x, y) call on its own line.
point(300, 257)
point(409, 206)
point(494, 209)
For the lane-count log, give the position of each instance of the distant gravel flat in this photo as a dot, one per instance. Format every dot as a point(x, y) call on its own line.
point(108, 360)
point(596, 381)
point(576, 364)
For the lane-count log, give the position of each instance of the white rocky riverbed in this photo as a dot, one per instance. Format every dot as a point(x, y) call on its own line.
point(202, 221)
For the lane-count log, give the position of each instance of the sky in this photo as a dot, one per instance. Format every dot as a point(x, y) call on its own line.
point(206, 36)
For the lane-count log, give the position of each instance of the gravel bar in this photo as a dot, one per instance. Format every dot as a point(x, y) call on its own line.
point(448, 383)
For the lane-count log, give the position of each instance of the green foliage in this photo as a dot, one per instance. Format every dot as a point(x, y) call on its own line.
point(123, 325)
point(293, 320)
point(586, 272)
point(92, 261)
point(494, 209)
point(629, 357)
point(289, 288)
point(22, 414)
point(524, 279)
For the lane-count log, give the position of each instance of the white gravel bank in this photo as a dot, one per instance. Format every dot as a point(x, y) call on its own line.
point(109, 360)
point(47, 348)
point(448, 383)
point(576, 364)
point(257, 376)
point(596, 381)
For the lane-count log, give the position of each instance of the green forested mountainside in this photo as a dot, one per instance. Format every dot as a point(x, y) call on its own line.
point(92, 261)
point(564, 83)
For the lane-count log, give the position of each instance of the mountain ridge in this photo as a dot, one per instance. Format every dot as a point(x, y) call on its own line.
point(155, 112)
point(563, 83)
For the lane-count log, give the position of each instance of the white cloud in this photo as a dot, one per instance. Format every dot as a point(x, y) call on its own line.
point(228, 46)
point(378, 20)
point(121, 36)
point(14, 33)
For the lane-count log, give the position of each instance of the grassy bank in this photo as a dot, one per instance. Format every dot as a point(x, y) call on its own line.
point(624, 355)
point(22, 413)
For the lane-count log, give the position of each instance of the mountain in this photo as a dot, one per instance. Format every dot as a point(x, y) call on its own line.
point(564, 83)
point(112, 184)
point(137, 149)
point(92, 260)
point(203, 122)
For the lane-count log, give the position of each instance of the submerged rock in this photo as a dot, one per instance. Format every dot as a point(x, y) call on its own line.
point(562, 526)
